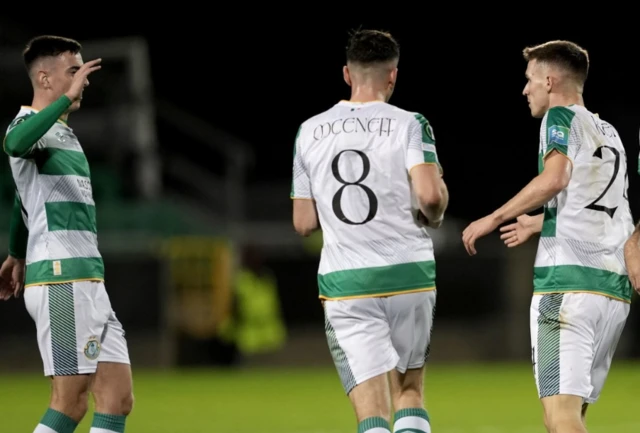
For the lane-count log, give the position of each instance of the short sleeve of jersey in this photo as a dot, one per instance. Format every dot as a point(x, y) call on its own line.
point(301, 183)
point(562, 133)
point(422, 143)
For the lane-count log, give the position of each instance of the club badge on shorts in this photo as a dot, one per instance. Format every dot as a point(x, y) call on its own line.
point(92, 349)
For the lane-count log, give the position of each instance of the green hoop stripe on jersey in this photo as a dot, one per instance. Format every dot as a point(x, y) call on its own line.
point(573, 278)
point(559, 120)
point(65, 270)
point(378, 281)
point(547, 356)
point(64, 215)
point(61, 162)
point(63, 329)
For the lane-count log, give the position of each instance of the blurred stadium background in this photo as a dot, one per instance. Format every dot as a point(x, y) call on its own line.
point(189, 140)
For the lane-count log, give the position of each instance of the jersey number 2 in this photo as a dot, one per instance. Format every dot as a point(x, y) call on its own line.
point(337, 198)
point(616, 168)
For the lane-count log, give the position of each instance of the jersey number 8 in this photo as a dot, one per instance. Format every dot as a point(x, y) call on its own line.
point(337, 198)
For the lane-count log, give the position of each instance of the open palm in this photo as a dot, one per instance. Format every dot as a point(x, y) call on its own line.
point(519, 232)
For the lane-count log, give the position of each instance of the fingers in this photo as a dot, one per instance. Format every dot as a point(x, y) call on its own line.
point(5, 290)
point(469, 239)
point(17, 280)
point(512, 242)
point(91, 64)
point(470, 245)
point(509, 227)
point(19, 287)
point(89, 67)
point(508, 235)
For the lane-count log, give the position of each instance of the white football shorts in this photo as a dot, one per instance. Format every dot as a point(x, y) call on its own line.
point(76, 327)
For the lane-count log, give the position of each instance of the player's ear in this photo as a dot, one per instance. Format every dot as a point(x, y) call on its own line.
point(550, 81)
point(393, 76)
point(346, 75)
point(43, 80)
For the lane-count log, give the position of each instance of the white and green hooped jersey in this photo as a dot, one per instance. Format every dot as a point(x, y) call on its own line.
point(354, 161)
point(586, 226)
point(54, 184)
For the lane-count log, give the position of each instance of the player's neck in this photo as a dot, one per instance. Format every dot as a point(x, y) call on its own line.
point(565, 99)
point(367, 94)
point(40, 102)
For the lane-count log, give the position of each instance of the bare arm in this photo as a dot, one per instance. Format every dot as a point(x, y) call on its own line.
point(632, 258)
point(431, 192)
point(554, 178)
point(305, 216)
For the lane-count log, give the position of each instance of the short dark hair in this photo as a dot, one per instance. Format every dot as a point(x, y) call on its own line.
point(368, 47)
point(48, 46)
point(567, 55)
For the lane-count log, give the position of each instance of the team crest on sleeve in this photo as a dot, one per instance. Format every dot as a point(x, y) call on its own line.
point(428, 130)
point(16, 122)
point(558, 134)
point(92, 349)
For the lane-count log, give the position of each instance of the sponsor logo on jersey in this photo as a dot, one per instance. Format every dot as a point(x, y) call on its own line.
point(559, 135)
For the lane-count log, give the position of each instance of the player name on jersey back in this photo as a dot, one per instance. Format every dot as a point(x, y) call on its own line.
point(354, 161)
point(380, 126)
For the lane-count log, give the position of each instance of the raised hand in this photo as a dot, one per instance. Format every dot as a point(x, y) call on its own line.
point(79, 81)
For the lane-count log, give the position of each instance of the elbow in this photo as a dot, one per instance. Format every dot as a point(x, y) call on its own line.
point(632, 243)
point(431, 199)
point(304, 231)
point(558, 183)
point(12, 148)
point(304, 228)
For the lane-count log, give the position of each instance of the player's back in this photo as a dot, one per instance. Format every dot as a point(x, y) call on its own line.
point(356, 158)
point(586, 225)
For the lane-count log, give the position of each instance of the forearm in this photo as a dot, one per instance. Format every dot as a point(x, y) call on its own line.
point(19, 141)
point(538, 192)
point(18, 232)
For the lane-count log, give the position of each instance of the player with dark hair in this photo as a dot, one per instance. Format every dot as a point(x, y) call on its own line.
point(581, 291)
point(53, 233)
point(368, 173)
